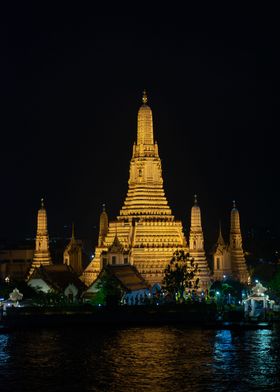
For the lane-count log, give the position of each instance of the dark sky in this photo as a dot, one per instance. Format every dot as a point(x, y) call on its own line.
point(71, 86)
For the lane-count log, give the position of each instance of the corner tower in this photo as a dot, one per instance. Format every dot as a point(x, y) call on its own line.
point(221, 258)
point(146, 228)
point(196, 243)
point(103, 226)
point(238, 263)
point(42, 253)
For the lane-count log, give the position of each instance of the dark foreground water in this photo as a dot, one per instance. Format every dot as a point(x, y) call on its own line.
point(139, 359)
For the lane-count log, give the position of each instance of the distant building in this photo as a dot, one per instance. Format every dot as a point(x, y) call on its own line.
point(229, 259)
point(72, 255)
point(58, 278)
point(221, 258)
point(134, 288)
point(257, 303)
point(15, 261)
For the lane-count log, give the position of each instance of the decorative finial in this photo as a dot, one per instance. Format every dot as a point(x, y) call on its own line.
point(144, 98)
point(234, 204)
point(220, 237)
point(42, 203)
point(73, 232)
point(220, 229)
point(195, 200)
point(103, 207)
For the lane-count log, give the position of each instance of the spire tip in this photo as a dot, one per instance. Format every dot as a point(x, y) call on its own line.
point(220, 237)
point(73, 232)
point(145, 97)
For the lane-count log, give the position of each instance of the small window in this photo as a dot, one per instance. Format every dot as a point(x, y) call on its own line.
point(114, 260)
point(104, 261)
point(125, 260)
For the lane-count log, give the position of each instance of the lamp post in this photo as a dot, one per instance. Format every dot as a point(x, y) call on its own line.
point(219, 305)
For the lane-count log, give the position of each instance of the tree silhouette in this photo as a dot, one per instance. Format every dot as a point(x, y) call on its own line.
point(180, 275)
point(110, 288)
point(274, 283)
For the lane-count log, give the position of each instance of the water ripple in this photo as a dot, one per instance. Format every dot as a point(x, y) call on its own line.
point(139, 359)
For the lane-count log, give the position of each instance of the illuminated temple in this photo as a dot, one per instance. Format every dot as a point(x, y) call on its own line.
point(145, 233)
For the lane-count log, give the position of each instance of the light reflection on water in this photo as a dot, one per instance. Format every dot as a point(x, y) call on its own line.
point(139, 359)
point(4, 356)
point(250, 358)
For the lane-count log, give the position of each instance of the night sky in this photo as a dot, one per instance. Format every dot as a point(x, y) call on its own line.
point(71, 86)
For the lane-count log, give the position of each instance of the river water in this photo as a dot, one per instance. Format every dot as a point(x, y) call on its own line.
point(139, 359)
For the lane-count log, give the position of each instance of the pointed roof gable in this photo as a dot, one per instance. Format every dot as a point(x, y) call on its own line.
point(116, 246)
point(220, 246)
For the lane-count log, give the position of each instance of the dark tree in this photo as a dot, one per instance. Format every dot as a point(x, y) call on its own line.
point(110, 289)
point(274, 283)
point(229, 287)
point(180, 275)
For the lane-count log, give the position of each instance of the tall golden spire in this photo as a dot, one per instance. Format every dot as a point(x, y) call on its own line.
point(145, 134)
point(234, 219)
point(42, 228)
point(196, 242)
point(103, 226)
point(145, 195)
point(42, 253)
point(238, 263)
point(196, 216)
